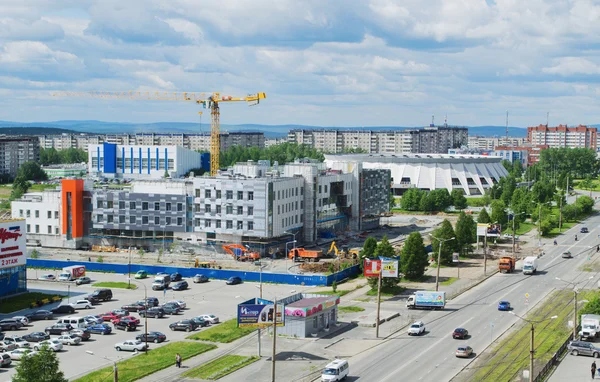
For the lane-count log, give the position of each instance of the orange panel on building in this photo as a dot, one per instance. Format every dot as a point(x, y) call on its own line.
point(72, 208)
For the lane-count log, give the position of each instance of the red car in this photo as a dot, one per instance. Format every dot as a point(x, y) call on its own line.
point(127, 319)
point(109, 316)
point(460, 333)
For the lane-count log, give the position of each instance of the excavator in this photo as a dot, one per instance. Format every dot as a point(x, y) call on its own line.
point(345, 253)
point(241, 253)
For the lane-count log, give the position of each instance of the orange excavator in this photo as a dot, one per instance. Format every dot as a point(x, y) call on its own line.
point(241, 253)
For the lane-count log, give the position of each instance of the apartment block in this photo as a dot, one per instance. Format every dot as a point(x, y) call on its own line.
point(563, 136)
point(477, 142)
point(16, 151)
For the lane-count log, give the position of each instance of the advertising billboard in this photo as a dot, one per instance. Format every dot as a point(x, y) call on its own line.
point(489, 230)
point(12, 244)
point(255, 315)
point(372, 268)
point(389, 268)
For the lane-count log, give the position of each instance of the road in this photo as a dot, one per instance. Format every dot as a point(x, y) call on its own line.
point(430, 357)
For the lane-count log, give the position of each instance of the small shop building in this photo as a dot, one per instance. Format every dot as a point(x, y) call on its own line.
point(309, 314)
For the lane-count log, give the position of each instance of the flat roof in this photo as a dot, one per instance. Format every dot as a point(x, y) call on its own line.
point(308, 302)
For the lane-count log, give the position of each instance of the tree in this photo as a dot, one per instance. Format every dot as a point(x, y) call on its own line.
point(570, 212)
point(499, 213)
point(508, 190)
point(585, 204)
point(19, 187)
point(444, 233)
point(282, 153)
point(458, 199)
point(411, 199)
point(384, 249)
point(483, 217)
point(427, 202)
point(392, 201)
point(441, 199)
point(31, 171)
point(546, 226)
point(369, 248)
point(42, 367)
point(413, 260)
point(466, 231)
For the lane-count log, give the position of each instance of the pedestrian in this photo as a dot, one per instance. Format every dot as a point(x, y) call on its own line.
point(593, 369)
point(178, 361)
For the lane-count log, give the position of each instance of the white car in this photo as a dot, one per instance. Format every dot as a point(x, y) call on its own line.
point(179, 303)
point(53, 344)
point(93, 319)
point(416, 329)
point(7, 346)
point(131, 345)
point(17, 354)
point(81, 304)
point(47, 277)
point(22, 319)
point(69, 339)
point(210, 318)
point(18, 341)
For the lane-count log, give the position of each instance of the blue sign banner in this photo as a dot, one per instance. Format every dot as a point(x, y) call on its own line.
point(259, 316)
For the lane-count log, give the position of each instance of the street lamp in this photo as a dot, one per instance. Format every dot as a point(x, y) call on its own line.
point(129, 270)
point(575, 291)
point(275, 336)
point(286, 254)
point(437, 276)
point(145, 315)
point(514, 215)
point(531, 347)
point(115, 368)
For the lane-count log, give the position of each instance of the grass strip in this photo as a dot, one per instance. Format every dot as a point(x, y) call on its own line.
point(450, 281)
point(22, 301)
point(115, 284)
point(225, 332)
point(154, 360)
point(393, 291)
point(350, 309)
point(220, 367)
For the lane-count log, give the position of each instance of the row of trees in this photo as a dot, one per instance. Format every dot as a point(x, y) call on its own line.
point(282, 153)
point(71, 155)
point(415, 199)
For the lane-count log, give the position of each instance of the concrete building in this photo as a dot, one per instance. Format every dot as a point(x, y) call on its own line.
point(471, 173)
point(66, 170)
point(308, 314)
point(132, 162)
point(490, 143)
point(14, 151)
point(41, 211)
point(563, 136)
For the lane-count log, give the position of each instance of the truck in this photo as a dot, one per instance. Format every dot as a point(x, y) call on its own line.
point(506, 264)
point(72, 273)
point(530, 265)
point(241, 253)
point(590, 326)
point(161, 282)
point(301, 254)
point(426, 300)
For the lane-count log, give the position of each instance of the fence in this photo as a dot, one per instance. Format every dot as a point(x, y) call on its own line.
point(267, 277)
point(553, 361)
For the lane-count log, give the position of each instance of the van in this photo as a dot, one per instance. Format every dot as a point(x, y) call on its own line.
point(161, 282)
point(65, 276)
point(335, 371)
point(76, 322)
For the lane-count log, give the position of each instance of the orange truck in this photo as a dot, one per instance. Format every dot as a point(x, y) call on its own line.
point(507, 264)
point(301, 254)
point(241, 253)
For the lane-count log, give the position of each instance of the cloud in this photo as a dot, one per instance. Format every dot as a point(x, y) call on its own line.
point(568, 66)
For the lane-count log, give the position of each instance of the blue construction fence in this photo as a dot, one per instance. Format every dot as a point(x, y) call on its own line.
point(222, 274)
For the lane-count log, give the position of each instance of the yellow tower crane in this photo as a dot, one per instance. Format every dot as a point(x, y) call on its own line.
point(207, 100)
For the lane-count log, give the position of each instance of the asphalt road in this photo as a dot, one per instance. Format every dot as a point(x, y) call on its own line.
point(430, 357)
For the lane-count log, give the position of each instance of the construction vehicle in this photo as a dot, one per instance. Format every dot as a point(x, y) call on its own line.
point(345, 253)
point(207, 100)
point(506, 264)
point(241, 253)
point(301, 254)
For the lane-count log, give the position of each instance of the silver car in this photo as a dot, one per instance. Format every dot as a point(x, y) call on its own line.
point(583, 348)
point(69, 339)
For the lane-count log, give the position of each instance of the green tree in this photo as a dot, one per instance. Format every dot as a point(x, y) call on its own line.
point(42, 367)
point(570, 212)
point(368, 250)
point(508, 190)
point(411, 199)
point(459, 201)
point(499, 213)
point(585, 204)
point(31, 171)
point(441, 198)
point(282, 153)
point(546, 226)
point(483, 217)
point(392, 201)
point(413, 261)
point(444, 233)
point(427, 202)
point(466, 231)
point(19, 187)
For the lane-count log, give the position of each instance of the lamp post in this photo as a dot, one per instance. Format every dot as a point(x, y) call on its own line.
point(437, 276)
point(575, 291)
point(514, 216)
point(286, 255)
point(274, 351)
point(145, 315)
point(531, 346)
point(115, 367)
point(129, 270)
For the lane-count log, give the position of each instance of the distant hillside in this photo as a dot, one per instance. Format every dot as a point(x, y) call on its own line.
point(35, 131)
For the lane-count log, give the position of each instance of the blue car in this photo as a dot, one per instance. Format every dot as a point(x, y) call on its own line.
point(504, 305)
point(100, 329)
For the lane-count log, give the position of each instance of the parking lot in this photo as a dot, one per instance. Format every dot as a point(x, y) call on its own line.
point(213, 297)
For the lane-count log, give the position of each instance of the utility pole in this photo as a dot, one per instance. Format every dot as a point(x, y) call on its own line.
point(274, 340)
point(485, 253)
point(379, 302)
point(531, 355)
point(575, 316)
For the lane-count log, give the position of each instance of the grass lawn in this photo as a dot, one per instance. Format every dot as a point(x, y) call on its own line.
point(5, 191)
point(350, 309)
point(22, 301)
point(115, 284)
point(42, 187)
point(145, 364)
point(450, 281)
point(339, 292)
point(523, 228)
point(476, 202)
point(225, 332)
point(387, 291)
point(220, 367)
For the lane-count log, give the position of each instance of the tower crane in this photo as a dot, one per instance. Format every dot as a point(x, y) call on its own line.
point(207, 100)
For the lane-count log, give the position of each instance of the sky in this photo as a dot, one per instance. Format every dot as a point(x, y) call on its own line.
point(324, 63)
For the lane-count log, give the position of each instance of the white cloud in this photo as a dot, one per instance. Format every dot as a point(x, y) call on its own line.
point(567, 66)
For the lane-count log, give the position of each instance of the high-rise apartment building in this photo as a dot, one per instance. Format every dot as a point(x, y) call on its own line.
point(14, 151)
point(563, 136)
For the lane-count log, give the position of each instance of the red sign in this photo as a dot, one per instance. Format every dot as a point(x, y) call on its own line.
point(5, 234)
point(371, 268)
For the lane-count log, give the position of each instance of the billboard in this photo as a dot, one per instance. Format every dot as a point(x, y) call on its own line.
point(489, 230)
point(255, 315)
point(389, 268)
point(12, 244)
point(371, 268)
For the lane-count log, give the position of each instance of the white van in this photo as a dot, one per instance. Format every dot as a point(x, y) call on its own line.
point(336, 371)
point(76, 322)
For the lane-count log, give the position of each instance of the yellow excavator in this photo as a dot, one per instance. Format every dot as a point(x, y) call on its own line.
point(345, 253)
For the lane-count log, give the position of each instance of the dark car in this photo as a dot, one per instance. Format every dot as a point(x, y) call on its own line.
point(234, 280)
point(504, 305)
point(154, 312)
point(583, 348)
point(176, 276)
point(40, 315)
point(84, 334)
point(134, 306)
point(58, 328)
point(584, 230)
point(200, 321)
point(100, 295)
point(152, 301)
point(63, 309)
point(200, 279)
point(171, 308)
point(155, 337)
point(10, 324)
point(2, 335)
point(187, 325)
point(180, 285)
point(36, 337)
point(100, 329)
point(460, 333)
point(128, 326)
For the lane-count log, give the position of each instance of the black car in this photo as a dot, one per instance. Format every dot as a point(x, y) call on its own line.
point(154, 312)
point(176, 276)
point(63, 309)
point(187, 325)
point(128, 326)
point(155, 337)
point(100, 295)
point(40, 315)
point(152, 301)
point(58, 328)
point(584, 230)
point(134, 307)
point(233, 280)
point(36, 337)
point(180, 285)
point(84, 334)
point(10, 324)
point(200, 321)
point(171, 308)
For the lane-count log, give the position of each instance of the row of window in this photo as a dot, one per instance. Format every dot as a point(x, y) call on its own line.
point(287, 207)
point(37, 214)
point(121, 219)
point(144, 205)
point(291, 220)
point(228, 224)
point(228, 194)
point(228, 209)
point(136, 164)
point(49, 229)
point(289, 192)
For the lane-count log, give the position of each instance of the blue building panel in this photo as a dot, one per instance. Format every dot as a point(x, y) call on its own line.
point(123, 160)
point(131, 160)
point(110, 158)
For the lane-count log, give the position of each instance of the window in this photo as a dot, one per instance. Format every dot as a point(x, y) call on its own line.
point(157, 220)
point(55, 214)
point(179, 221)
point(110, 219)
point(49, 216)
point(20, 213)
point(132, 205)
point(250, 226)
point(144, 206)
point(207, 193)
point(302, 190)
point(121, 205)
point(99, 218)
point(37, 228)
point(240, 195)
point(240, 225)
point(197, 192)
point(218, 194)
point(50, 229)
point(296, 219)
point(28, 228)
point(132, 220)
point(121, 219)
point(168, 206)
point(325, 188)
point(278, 195)
point(156, 206)
point(37, 213)
point(250, 195)
point(109, 204)
point(207, 208)
point(250, 210)
point(320, 189)
point(99, 204)
point(168, 222)
point(218, 206)
point(56, 231)
point(296, 204)
point(283, 222)
point(278, 210)
point(228, 210)
point(144, 219)
point(207, 223)
point(197, 207)
point(179, 206)
point(218, 223)
point(240, 210)
point(28, 213)
point(229, 194)
point(302, 204)
point(229, 224)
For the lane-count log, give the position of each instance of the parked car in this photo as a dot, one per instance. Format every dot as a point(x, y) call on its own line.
point(233, 280)
point(416, 328)
point(187, 325)
point(210, 318)
point(81, 304)
point(53, 344)
point(176, 276)
point(47, 277)
point(100, 295)
point(7, 346)
point(464, 352)
point(154, 312)
point(131, 345)
point(120, 312)
point(583, 348)
point(63, 309)
point(100, 329)
point(567, 255)
point(58, 328)
point(36, 337)
point(134, 306)
point(5, 360)
point(155, 337)
point(460, 333)
point(200, 279)
point(83, 280)
point(84, 334)
point(133, 319)
point(141, 275)
point(180, 285)
point(584, 230)
point(182, 305)
point(19, 341)
point(171, 308)
point(17, 354)
point(10, 324)
point(97, 319)
point(152, 301)
point(504, 305)
point(69, 339)
point(200, 321)
point(22, 319)
point(128, 326)
point(109, 316)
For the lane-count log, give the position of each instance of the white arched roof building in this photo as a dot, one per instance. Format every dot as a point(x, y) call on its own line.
point(472, 173)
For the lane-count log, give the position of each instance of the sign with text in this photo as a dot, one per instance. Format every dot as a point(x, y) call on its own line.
point(455, 258)
point(389, 268)
point(13, 241)
point(371, 268)
point(259, 315)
